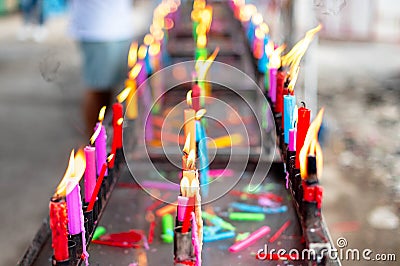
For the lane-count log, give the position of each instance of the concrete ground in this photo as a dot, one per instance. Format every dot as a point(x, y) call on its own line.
point(40, 123)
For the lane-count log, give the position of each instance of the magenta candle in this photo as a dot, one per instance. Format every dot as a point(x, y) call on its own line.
point(90, 172)
point(182, 203)
point(74, 210)
point(101, 149)
point(292, 139)
point(273, 72)
point(251, 239)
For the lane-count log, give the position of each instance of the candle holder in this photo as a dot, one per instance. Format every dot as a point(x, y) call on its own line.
point(60, 263)
point(119, 158)
point(78, 247)
point(89, 222)
point(183, 248)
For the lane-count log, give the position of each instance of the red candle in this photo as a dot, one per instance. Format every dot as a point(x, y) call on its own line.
point(303, 122)
point(196, 91)
point(117, 126)
point(280, 80)
point(58, 226)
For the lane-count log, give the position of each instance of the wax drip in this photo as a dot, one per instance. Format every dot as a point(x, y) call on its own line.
point(85, 254)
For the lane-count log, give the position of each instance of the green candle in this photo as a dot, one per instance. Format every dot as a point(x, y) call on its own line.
point(246, 216)
point(100, 230)
point(167, 222)
point(201, 53)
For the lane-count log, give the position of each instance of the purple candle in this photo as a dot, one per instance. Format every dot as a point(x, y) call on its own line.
point(292, 139)
point(101, 149)
point(74, 209)
point(90, 172)
point(272, 84)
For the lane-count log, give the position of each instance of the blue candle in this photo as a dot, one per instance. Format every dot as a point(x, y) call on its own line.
point(147, 60)
point(263, 62)
point(289, 103)
point(203, 158)
point(220, 236)
point(257, 209)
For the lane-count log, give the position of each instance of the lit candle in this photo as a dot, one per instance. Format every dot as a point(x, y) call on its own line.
point(202, 153)
point(74, 206)
point(289, 103)
point(90, 172)
point(132, 101)
point(117, 125)
point(101, 147)
point(58, 226)
point(303, 122)
point(280, 80)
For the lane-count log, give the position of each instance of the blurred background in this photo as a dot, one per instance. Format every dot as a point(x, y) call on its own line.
point(352, 69)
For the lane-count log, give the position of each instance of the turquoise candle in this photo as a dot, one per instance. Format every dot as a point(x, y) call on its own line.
point(203, 158)
point(220, 236)
point(289, 103)
point(264, 60)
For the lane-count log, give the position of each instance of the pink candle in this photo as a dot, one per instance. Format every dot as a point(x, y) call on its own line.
point(251, 239)
point(272, 84)
point(74, 207)
point(182, 203)
point(101, 149)
point(292, 139)
point(195, 240)
point(90, 172)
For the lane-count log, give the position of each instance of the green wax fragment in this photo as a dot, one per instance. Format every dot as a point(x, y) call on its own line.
point(167, 222)
point(156, 109)
point(242, 236)
point(100, 230)
point(248, 190)
point(246, 216)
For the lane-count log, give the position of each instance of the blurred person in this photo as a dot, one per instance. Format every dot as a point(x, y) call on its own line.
point(103, 30)
point(34, 18)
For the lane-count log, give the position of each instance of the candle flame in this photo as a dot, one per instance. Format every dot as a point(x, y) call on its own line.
point(312, 147)
point(189, 98)
point(264, 27)
point(269, 48)
point(142, 52)
point(148, 39)
point(257, 19)
point(202, 41)
point(154, 48)
point(102, 113)
point(73, 173)
point(135, 71)
point(246, 12)
point(120, 121)
point(202, 66)
point(190, 163)
point(275, 60)
point(200, 113)
point(110, 157)
point(293, 80)
point(259, 33)
point(186, 147)
point(121, 97)
point(132, 55)
point(294, 56)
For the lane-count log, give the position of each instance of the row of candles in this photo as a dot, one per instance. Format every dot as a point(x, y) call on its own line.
point(297, 136)
point(73, 219)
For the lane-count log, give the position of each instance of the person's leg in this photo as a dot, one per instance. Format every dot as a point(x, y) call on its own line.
point(92, 102)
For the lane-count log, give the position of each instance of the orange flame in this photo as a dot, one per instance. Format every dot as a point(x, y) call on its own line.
point(154, 48)
point(293, 80)
point(200, 113)
point(142, 52)
point(135, 71)
point(132, 55)
point(120, 121)
point(73, 174)
point(189, 98)
point(98, 129)
point(121, 97)
point(246, 12)
point(202, 66)
point(275, 59)
point(311, 147)
point(294, 56)
point(148, 39)
point(186, 147)
point(191, 160)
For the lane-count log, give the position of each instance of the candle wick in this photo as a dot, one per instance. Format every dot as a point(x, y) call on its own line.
point(304, 104)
